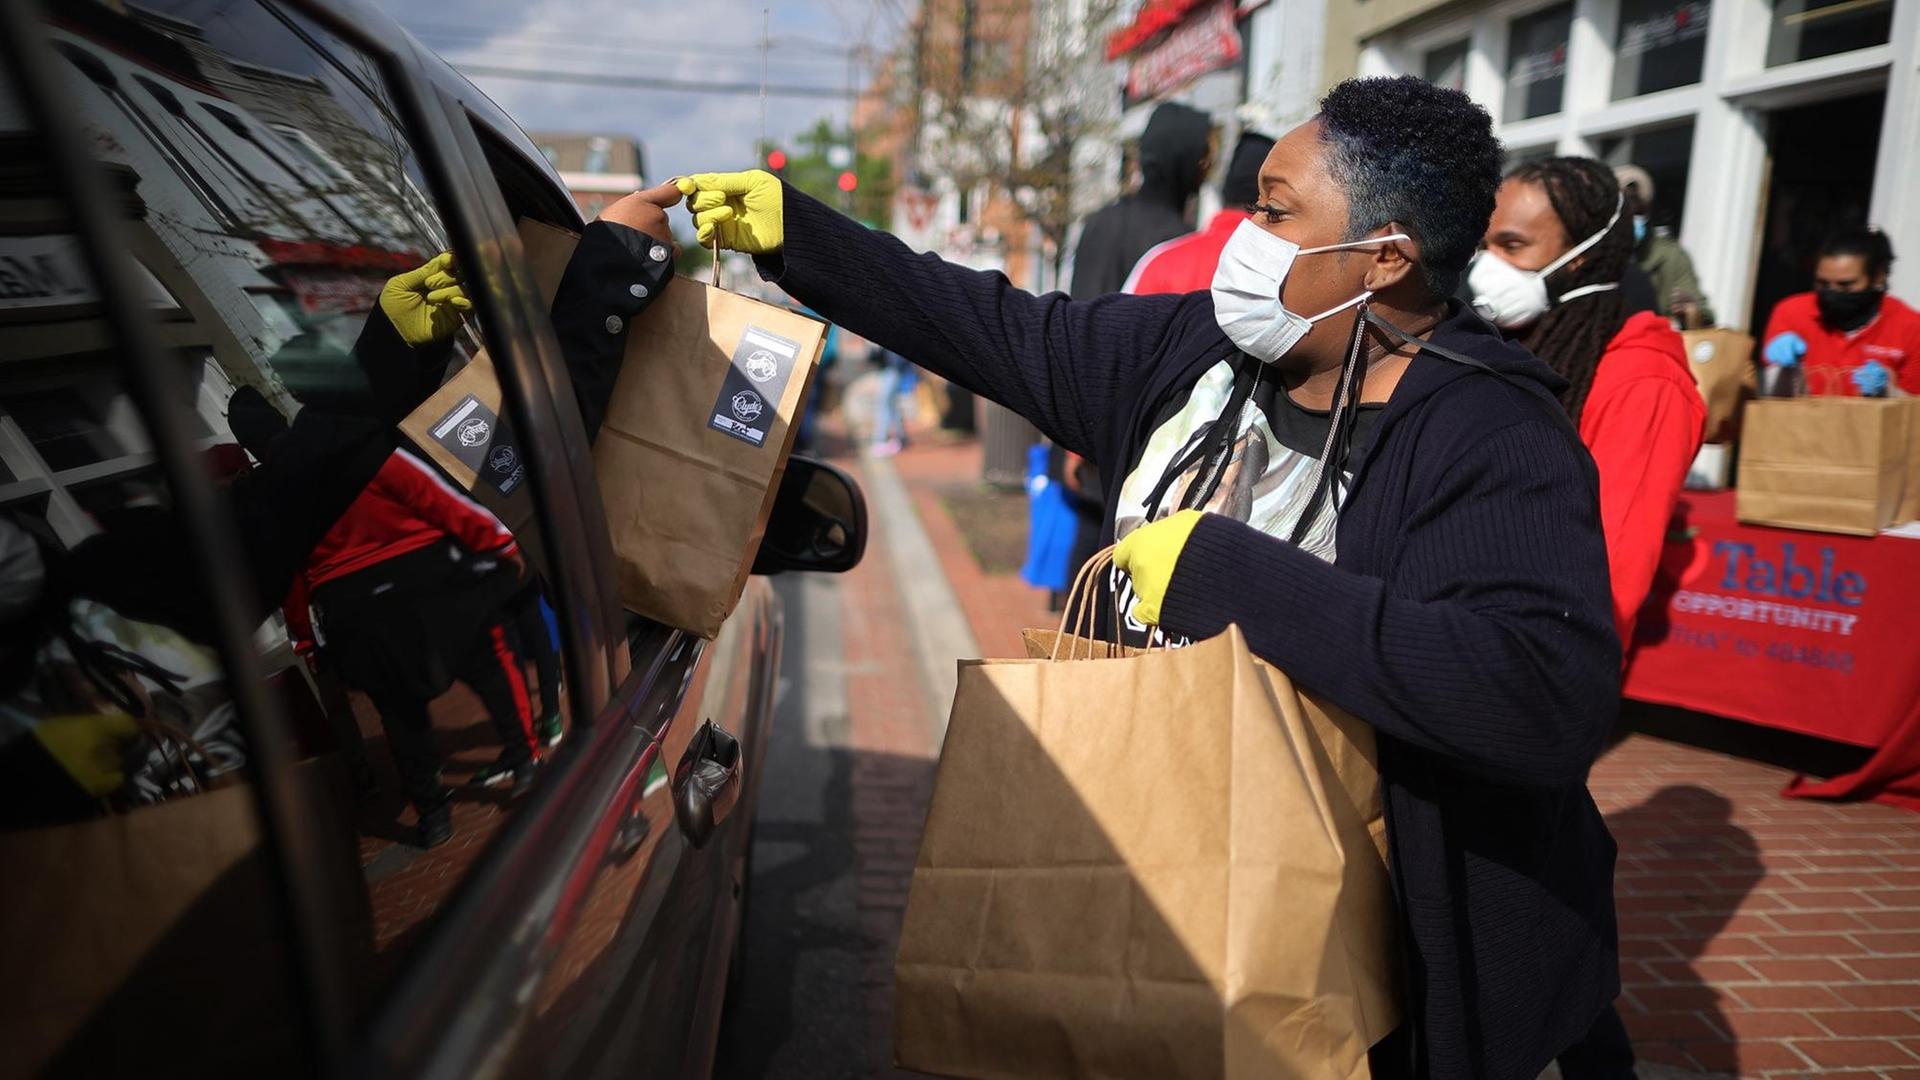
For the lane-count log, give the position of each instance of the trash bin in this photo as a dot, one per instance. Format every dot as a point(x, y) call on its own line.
point(1007, 436)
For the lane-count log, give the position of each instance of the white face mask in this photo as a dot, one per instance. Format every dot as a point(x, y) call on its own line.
point(1246, 290)
point(1509, 297)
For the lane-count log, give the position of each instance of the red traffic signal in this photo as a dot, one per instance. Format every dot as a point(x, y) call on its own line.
point(776, 160)
point(848, 182)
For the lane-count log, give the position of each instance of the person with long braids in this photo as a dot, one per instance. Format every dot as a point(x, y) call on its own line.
point(1558, 243)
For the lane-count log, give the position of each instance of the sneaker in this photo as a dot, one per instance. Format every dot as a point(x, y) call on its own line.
point(549, 732)
point(501, 774)
point(887, 449)
point(436, 823)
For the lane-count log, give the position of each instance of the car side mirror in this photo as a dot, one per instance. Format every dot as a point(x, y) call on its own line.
point(819, 521)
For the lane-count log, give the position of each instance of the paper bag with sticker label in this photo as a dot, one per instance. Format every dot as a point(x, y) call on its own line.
point(1153, 865)
point(461, 429)
point(694, 442)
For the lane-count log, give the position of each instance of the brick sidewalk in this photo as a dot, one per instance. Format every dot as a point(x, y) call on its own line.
point(1761, 936)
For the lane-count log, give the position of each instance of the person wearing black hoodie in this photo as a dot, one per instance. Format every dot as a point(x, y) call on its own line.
point(1445, 580)
point(1176, 151)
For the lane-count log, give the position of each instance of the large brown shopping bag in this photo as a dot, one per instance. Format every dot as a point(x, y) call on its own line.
point(1147, 865)
point(1833, 464)
point(690, 454)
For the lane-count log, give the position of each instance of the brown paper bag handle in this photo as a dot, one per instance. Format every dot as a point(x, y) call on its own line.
point(1085, 625)
point(716, 258)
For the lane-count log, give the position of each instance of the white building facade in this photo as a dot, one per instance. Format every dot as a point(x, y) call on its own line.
point(1765, 123)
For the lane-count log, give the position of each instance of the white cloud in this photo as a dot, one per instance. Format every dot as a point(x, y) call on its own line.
point(683, 132)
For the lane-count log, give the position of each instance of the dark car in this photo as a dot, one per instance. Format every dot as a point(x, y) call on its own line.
point(208, 864)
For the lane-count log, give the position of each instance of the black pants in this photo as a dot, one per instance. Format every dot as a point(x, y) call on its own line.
point(492, 669)
point(1605, 1053)
point(532, 639)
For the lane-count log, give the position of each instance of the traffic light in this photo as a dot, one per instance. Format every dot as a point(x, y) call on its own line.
point(848, 182)
point(777, 162)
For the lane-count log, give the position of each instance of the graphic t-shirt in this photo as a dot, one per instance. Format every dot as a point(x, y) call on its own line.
point(1267, 481)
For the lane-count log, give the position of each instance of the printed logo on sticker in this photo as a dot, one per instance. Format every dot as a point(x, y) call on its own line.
point(474, 432)
point(762, 366)
point(503, 459)
point(747, 405)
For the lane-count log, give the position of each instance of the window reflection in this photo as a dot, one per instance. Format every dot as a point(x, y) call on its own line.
point(1537, 63)
point(1447, 65)
point(1805, 29)
point(1661, 44)
point(270, 198)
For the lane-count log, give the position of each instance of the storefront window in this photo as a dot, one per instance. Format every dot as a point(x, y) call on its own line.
point(1805, 29)
point(1667, 155)
point(1661, 44)
point(1447, 66)
point(1537, 63)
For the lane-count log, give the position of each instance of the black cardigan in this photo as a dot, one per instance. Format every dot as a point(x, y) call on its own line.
point(1467, 617)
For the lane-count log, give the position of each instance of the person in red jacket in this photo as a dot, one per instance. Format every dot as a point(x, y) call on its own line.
point(1186, 263)
point(1556, 249)
point(1848, 336)
point(411, 587)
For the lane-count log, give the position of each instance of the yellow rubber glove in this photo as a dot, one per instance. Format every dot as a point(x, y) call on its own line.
point(745, 209)
point(89, 747)
point(427, 303)
point(1148, 554)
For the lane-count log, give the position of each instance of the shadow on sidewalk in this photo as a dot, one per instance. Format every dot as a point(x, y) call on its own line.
point(821, 917)
point(1682, 834)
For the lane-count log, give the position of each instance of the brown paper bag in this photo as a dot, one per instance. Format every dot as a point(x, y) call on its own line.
point(1909, 509)
point(156, 931)
point(690, 454)
point(460, 428)
point(1722, 365)
point(1160, 865)
point(1831, 464)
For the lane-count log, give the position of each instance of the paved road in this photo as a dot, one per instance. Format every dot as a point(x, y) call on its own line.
point(798, 1011)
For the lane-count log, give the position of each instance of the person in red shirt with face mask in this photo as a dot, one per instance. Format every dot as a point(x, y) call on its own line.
point(1847, 336)
point(1556, 248)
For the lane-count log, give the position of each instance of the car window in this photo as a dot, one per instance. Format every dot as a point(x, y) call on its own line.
point(140, 899)
point(275, 211)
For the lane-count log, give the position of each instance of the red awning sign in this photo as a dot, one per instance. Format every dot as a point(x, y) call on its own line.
point(1206, 42)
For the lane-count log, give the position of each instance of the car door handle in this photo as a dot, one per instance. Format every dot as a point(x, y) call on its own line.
point(706, 784)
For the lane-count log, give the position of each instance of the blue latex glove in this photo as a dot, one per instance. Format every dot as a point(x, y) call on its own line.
point(1786, 349)
point(1871, 378)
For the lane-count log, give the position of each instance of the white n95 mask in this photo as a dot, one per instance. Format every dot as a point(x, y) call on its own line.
point(1246, 290)
point(1509, 297)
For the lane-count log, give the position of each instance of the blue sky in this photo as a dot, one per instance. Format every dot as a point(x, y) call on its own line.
point(705, 40)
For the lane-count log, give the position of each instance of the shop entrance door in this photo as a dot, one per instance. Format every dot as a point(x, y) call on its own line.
point(1822, 179)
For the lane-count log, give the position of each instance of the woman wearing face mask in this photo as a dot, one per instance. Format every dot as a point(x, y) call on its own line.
point(1387, 498)
point(1847, 335)
point(1549, 277)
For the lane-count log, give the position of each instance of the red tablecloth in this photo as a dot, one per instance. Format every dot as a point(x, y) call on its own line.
point(1812, 632)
